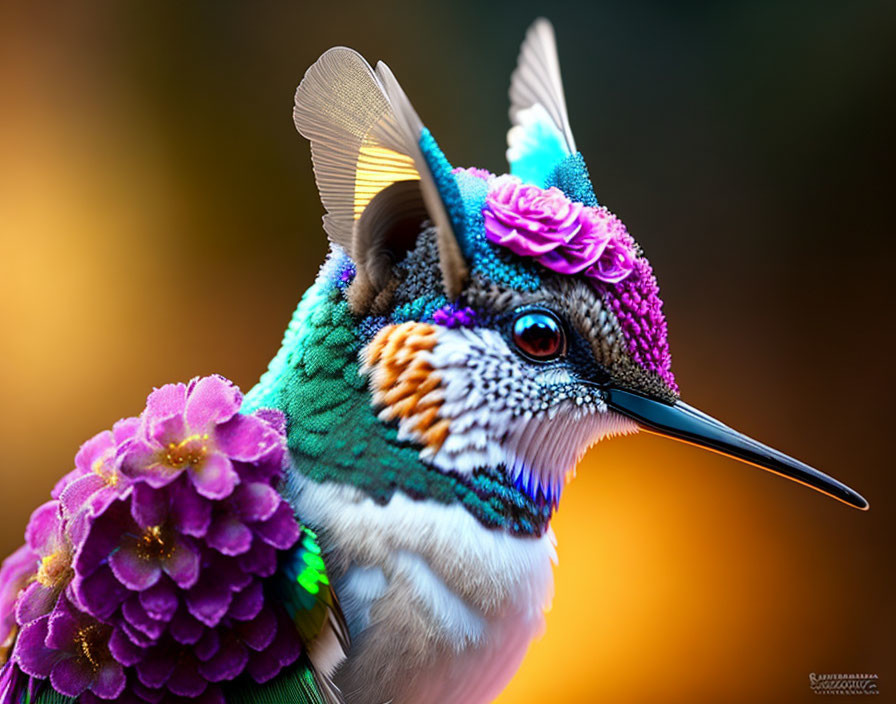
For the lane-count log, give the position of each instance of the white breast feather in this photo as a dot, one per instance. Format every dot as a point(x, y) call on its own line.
point(463, 600)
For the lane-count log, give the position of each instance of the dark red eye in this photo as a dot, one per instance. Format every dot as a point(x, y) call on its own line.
point(539, 335)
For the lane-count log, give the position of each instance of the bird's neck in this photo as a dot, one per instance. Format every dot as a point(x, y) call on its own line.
point(334, 434)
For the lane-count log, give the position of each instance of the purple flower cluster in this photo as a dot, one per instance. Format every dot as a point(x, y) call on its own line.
point(563, 236)
point(142, 580)
point(453, 316)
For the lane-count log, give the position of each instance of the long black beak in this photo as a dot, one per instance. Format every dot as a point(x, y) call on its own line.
point(683, 422)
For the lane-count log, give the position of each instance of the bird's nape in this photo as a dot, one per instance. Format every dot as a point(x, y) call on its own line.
point(685, 423)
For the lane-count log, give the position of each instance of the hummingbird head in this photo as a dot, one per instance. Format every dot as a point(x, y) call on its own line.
point(506, 322)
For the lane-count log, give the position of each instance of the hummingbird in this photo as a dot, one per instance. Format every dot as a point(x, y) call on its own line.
point(469, 337)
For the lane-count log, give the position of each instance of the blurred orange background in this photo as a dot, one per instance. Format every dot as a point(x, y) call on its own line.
point(158, 220)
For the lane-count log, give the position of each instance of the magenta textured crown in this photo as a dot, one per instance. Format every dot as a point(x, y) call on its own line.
point(574, 239)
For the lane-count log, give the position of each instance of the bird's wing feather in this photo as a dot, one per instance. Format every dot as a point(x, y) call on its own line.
point(356, 146)
point(303, 587)
point(365, 136)
point(454, 268)
point(540, 135)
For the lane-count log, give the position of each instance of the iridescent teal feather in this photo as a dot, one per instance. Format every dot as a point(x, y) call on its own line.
point(491, 261)
point(304, 588)
point(571, 176)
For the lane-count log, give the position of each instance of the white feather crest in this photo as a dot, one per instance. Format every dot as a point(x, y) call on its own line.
point(540, 126)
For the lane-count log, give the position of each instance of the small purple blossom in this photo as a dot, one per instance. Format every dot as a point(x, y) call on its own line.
point(452, 316)
point(70, 648)
point(563, 236)
point(96, 480)
point(17, 570)
point(96, 459)
point(180, 431)
point(138, 537)
point(142, 581)
point(46, 536)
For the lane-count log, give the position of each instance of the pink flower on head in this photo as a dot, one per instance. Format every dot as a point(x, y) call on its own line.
point(563, 236)
point(617, 257)
point(585, 249)
point(571, 239)
point(529, 220)
point(615, 265)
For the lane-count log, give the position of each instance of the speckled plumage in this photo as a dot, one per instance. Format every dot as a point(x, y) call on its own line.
point(410, 413)
point(469, 337)
point(430, 439)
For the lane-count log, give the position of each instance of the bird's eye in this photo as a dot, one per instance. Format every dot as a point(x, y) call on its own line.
point(539, 335)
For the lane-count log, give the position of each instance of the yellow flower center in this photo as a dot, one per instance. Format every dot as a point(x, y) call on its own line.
point(103, 470)
point(155, 544)
point(54, 568)
point(89, 644)
point(188, 452)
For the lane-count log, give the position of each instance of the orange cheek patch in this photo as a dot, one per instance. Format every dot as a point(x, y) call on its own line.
point(404, 382)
